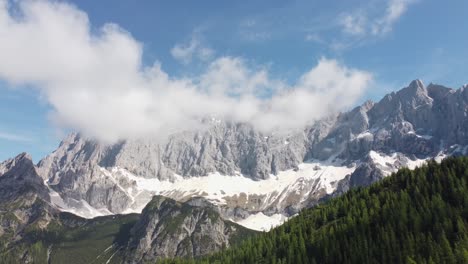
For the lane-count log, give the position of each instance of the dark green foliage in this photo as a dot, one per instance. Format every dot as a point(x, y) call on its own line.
point(70, 239)
point(418, 216)
point(97, 241)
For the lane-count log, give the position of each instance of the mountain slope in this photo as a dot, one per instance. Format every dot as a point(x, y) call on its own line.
point(418, 216)
point(168, 228)
point(33, 230)
point(24, 207)
point(279, 172)
point(71, 239)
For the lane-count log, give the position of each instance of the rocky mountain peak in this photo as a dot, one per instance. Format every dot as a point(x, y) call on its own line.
point(9, 163)
point(21, 165)
point(415, 93)
point(367, 105)
point(417, 85)
point(438, 92)
point(23, 156)
point(168, 228)
point(71, 138)
point(18, 176)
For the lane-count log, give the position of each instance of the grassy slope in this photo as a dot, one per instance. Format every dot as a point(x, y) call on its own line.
point(95, 242)
point(88, 241)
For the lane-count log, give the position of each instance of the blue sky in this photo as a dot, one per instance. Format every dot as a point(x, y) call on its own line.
point(426, 39)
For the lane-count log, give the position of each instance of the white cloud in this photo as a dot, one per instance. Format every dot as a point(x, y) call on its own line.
point(96, 82)
point(231, 76)
point(14, 137)
point(314, 37)
point(252, 30)
point(354, 24)
point(324, 89)
point(186, 52)
point(394, 10)
point(363, 22)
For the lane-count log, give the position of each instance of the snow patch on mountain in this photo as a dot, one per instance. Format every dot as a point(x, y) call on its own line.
point(262, 222)
point(217, 186)
point(218, 189)
point(389, 164)
point(77, 207)
point(365, 134)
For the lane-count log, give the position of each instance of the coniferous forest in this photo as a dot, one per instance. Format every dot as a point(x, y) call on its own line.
point(418, 216)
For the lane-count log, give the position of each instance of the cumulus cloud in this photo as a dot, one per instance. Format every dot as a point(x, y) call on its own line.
point(364, 22)
point(96, 83)
point(194, 49)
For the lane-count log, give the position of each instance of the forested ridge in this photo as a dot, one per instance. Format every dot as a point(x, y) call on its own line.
point(417, 216)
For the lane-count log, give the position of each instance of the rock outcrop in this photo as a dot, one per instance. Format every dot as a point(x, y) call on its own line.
point(168, 229)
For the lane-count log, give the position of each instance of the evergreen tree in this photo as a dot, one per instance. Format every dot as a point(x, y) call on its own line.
point(418, 216)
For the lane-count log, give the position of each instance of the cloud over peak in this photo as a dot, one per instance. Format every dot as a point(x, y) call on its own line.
point(96, 83)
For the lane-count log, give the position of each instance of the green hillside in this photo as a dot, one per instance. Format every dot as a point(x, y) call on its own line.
point(418, 216)
point(70, 239)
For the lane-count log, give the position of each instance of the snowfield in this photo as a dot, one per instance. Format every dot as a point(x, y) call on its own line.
point(218, 189)
point(261, 222)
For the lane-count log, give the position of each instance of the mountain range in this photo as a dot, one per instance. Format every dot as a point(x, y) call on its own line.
point(226, 177)
point(253, 176)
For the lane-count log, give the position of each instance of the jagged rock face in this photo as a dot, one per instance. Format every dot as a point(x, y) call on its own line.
point(364, 175)
point(221, 147)
point(227, 148)
point(74, 168)
point(450, 111)
point(24, 203)
point(169, 229)
point(416, 122)
point(18, 177)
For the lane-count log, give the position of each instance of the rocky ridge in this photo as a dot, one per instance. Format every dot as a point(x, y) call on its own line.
point(24, 204)
point(168, 229)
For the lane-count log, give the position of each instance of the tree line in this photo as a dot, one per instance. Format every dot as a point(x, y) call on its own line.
point(412, 216)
